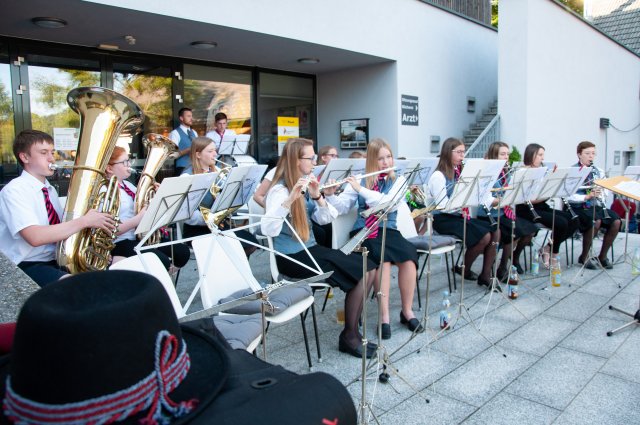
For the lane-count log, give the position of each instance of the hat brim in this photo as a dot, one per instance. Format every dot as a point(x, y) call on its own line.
point(206, 378)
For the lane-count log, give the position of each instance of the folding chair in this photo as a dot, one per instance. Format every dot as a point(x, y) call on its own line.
point(440, 245)
point(224, 271)
point(149, 263)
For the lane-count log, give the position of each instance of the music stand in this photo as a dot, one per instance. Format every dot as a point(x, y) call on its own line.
point(475, 181)
point(341, 168)
point(629, 188)
point(633, 173)
point(176, 199)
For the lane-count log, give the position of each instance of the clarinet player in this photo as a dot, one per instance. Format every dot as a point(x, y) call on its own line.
point(583, 203)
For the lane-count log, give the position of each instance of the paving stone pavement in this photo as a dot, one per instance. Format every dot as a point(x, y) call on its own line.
point(541, 359)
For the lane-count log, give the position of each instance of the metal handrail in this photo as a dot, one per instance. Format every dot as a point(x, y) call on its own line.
point(489, 135)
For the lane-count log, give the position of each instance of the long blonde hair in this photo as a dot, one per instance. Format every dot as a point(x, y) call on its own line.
point(372, 160)
point(288, 171)
point(197, 145)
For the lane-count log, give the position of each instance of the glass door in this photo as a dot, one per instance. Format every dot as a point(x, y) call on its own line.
point(50, 79)
point(8, 165)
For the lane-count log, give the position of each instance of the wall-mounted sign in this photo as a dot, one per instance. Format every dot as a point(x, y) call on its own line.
point(409, 109)
point(288, 127)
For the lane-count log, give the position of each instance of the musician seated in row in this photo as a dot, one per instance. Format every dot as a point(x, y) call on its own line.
point(285, 199)
point(30, 212)
point(371, 192)
point(203, 160)
point(583, 203)
point(523, 229)
point(539, 211)
point(481, 237)
point(321, 233)
point(120, 166)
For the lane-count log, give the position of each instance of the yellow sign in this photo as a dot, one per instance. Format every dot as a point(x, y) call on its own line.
point(288, 127)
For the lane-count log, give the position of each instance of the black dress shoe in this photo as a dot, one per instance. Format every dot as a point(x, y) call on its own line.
point(519, 268)
point(591, 265)
point(386, 331)
point(356, 351)
point(606, 264)
point(412, 324)
point(469, 275)
point(483, 282)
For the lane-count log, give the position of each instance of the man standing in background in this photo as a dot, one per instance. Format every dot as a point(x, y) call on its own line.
point(182, 137)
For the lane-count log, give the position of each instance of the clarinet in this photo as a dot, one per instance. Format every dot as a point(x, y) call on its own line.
point(567, 205)
point(488, 211)
point(536, 218)
point(600, 199)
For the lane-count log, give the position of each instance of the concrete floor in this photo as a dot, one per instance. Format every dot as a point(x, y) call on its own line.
point(543, 358)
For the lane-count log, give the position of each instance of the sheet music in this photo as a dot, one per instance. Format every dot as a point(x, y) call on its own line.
point(341, 168)
point(476, 180)
point(633, 171)
point(573, 181)
point(529, 180)
point(169, 203)
point(239, 186)
point(632, 187)
point(234, 145)
point(424, 168)
point(318, 169)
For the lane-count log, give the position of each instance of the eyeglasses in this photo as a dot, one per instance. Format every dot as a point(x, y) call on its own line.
point(332, 155)
point(311, 158)
point(459, 151)
point(126, 162)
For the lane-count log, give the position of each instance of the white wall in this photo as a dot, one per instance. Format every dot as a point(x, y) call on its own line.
point(439, 57)
point(558, 77)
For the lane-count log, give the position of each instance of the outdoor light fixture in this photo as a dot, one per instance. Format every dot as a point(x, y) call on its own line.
point(204, 44)
point(46, 22)
point(309, 60)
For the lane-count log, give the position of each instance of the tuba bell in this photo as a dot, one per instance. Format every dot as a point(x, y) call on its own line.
point(104, 114)
point(158, 150)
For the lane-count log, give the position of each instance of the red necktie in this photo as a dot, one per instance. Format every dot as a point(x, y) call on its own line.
point(369, 221)
point(127, 190)
point(51, 212)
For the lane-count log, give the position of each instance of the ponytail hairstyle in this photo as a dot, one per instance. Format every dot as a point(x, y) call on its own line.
point(373, 150)
point(288, 172)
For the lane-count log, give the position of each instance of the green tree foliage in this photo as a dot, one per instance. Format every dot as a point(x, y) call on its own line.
point(514, 156)
point(494, 13)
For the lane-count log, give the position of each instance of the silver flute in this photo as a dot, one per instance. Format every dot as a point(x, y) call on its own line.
point(306, 183)
point(599, 198)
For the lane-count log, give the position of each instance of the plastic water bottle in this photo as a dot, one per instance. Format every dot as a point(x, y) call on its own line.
point(535, 263)
point(445, 314)
point(556, 272)
point(635, 262)
point(512, 285)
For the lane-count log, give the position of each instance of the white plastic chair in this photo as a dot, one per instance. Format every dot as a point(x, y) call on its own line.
point(149, 263)
point(407, 228)
point(224, 270)
point(255, 210)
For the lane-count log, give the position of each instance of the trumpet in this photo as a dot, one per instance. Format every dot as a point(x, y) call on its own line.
point(358, 177)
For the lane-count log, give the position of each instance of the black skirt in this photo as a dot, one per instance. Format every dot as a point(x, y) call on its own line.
point(523, 227)
point(585, 217)
point(453, 224)
point(397, 249)
point(347, 269)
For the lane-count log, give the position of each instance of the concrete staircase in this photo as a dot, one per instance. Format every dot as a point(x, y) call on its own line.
point(478, 127)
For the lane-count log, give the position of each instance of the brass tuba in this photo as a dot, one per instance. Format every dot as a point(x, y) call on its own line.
point(158, 150)
point(104, 114)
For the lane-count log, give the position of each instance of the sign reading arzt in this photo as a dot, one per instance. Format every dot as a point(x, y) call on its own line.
point(409, 106)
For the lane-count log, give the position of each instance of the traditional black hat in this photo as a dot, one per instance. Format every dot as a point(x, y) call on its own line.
point(104, 347)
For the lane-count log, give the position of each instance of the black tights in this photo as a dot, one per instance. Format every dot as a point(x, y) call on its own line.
point(353, 303)
point(487, 247)
point(607, 241)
